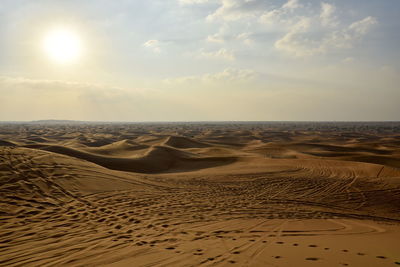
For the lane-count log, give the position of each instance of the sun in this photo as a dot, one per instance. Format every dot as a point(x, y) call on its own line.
point(62, 46)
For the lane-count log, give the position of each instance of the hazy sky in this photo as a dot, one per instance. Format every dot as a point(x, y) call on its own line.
point(189, 60)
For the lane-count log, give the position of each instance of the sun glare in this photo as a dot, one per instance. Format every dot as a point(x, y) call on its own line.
point(62, 46)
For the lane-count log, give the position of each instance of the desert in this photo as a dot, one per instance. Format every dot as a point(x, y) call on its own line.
point(184, 133)
point(200, 194)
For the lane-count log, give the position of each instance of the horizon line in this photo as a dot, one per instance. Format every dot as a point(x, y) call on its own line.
point(183, 121)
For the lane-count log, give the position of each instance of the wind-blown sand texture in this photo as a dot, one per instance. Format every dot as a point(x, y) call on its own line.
point(210, 194)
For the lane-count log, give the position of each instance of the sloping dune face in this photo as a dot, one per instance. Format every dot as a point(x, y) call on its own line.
point(245, 194)
point(183, 142)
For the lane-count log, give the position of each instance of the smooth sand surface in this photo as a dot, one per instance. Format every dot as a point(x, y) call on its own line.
point(244, 194)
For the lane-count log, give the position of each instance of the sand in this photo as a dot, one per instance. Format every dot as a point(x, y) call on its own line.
point(210, 194)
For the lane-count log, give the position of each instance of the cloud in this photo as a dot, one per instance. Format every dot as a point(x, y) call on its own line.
point(304, 39)
point(347, 37)
point(215, 38)
point(231, 74)
point(231, 10)
point(192, 2)
point(361, 27)
point(326, 15)
point(227, 75)
point(218, 54)
point(221, 36)
point(304, 30)
point(153, 45)
point(285, 16)
point(245, 37)
point(271, 17)
point(68, 100)
point(348, 60)
point(291, 4)
point(24, 87)
point(20, 83)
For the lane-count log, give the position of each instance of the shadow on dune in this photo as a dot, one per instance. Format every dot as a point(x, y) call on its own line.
point(382, 160)
point(7, 143)
point(156, 159)
point(184, 142)
point(318, 148)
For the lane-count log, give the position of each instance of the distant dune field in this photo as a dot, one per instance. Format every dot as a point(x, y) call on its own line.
point(210, 194)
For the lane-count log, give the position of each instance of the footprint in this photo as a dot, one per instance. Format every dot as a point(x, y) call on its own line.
point(312, 259)
point(295, 244)
point(345, 250)
point(279, 242)
point(170, 248)
point(381, 257)
point(232, 261)
point(312, 246)
point(360, 253)
point(277, 257)
point(236, 252)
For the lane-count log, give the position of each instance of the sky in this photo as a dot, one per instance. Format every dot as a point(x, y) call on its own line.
point(202, 60)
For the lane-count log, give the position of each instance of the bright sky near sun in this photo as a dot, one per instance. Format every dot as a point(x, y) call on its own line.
point(62, 45)
point(189, 60)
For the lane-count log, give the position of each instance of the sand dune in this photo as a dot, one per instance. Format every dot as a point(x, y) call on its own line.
point(204, 194)
point(6, 143)
point(154, 159)
point(124, 148)
point(183, 142)
point(383, 160)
